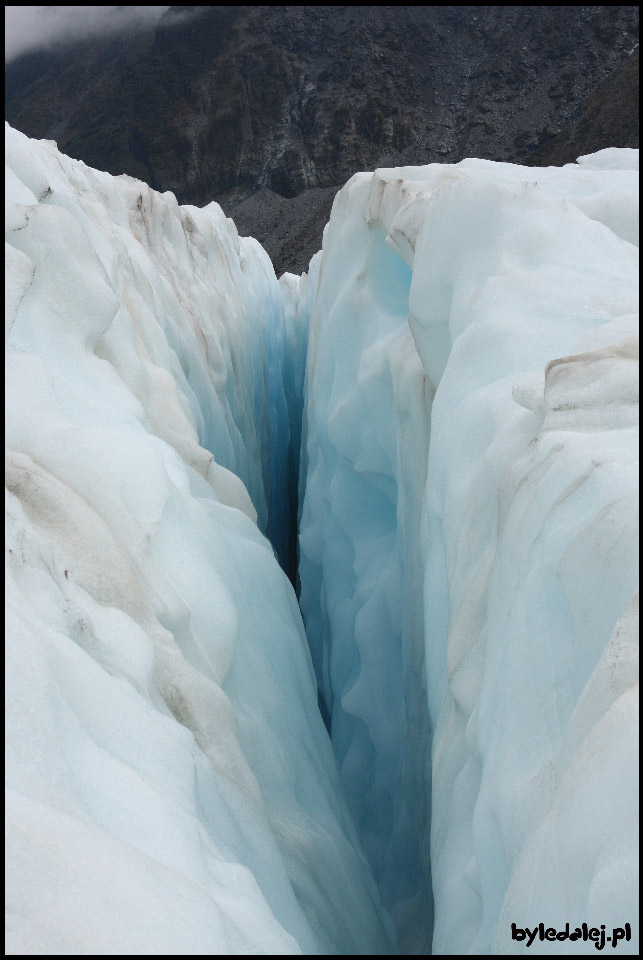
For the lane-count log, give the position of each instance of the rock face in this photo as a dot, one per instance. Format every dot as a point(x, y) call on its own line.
point(231, 100)
point(605, 116)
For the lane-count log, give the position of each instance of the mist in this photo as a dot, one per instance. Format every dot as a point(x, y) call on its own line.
point(36, 28)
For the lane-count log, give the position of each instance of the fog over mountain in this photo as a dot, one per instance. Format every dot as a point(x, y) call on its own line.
point(31, 28)
point(270, 109)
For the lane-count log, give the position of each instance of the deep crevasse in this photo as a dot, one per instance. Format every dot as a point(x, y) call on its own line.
point(174, 728)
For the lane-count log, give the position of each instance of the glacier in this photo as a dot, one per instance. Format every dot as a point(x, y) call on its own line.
point(469, 561)
point(170, 784)
point(444, 408)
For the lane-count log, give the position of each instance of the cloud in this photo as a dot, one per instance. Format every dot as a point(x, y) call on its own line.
point(37, 28)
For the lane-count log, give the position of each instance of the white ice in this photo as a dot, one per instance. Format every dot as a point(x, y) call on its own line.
point(171, 788)
point(468, 539)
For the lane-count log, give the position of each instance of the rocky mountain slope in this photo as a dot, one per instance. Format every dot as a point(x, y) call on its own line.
point(271, 109)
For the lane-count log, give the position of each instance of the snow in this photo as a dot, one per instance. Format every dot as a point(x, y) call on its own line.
point(450, 396)
point(170, 783)
point(469, 540)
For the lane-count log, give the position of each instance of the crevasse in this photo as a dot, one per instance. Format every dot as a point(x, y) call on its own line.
point(448, 400)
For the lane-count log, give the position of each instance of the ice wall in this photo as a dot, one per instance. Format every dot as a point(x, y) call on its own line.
point(170, 785)
point(468, 540)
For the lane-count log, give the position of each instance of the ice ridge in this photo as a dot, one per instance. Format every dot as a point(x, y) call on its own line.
point(171, 788)
point(468, 540)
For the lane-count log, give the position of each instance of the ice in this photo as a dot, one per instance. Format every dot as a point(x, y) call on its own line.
point(448, 402)
point(171, 786)
point(469, 540)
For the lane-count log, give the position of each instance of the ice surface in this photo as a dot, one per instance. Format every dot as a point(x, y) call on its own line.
point(171, 786)
point(469, 540)
point(465, 349)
